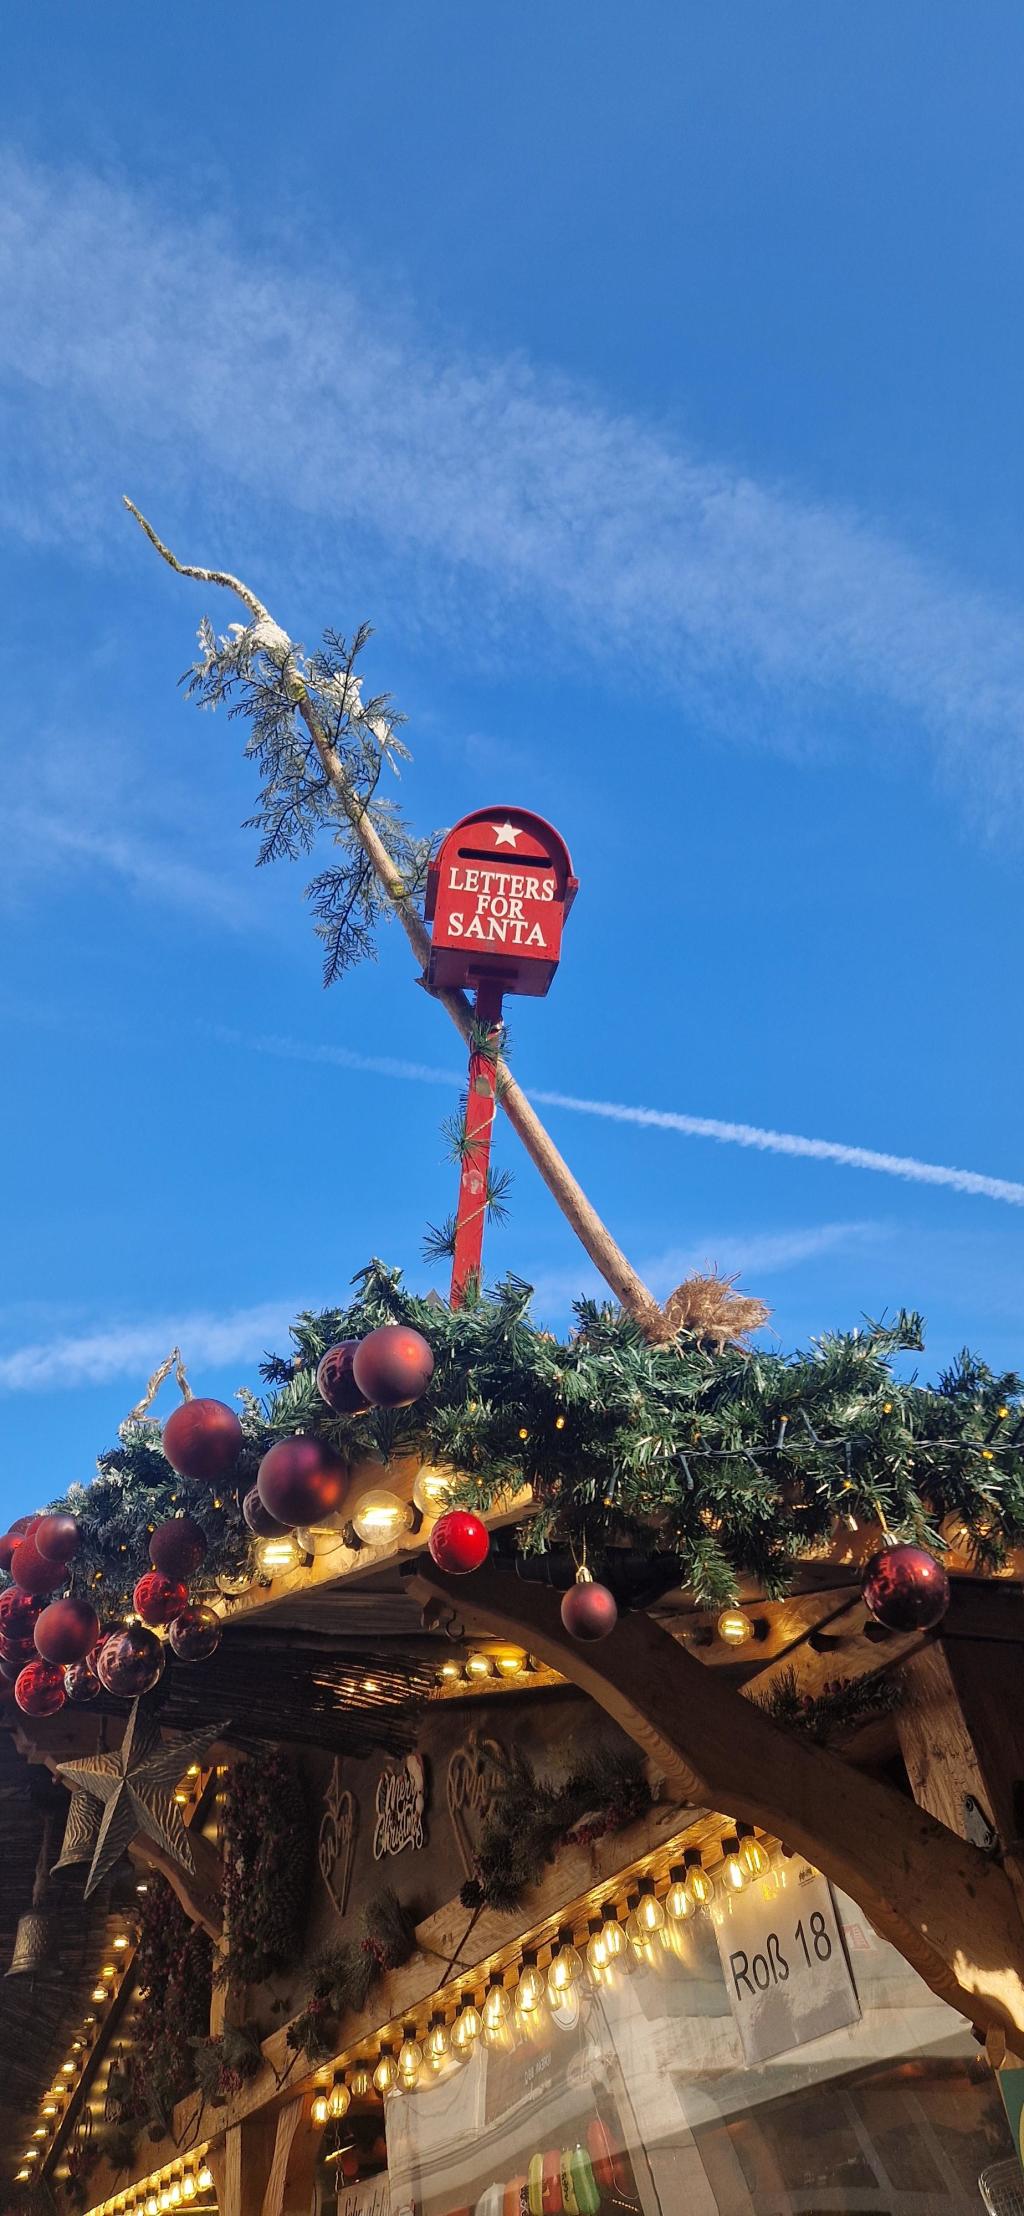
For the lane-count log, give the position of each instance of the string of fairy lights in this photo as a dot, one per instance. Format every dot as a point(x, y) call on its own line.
point(184, 2181)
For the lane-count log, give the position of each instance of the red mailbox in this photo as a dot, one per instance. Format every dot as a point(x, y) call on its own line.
point(497, 895)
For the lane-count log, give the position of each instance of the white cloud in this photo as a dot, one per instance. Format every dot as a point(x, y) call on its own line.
point(155, 356)
point(750, 1256)
point(94, 1357)
point(42, 841)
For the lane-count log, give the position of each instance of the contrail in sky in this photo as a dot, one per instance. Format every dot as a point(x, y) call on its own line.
point(660, 1119)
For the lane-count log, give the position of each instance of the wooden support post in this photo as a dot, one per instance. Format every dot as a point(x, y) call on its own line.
point(481, 1107)
point(945, 1904)
point(961, 1729)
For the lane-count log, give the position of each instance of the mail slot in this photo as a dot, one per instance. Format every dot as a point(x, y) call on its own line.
point(497, 894)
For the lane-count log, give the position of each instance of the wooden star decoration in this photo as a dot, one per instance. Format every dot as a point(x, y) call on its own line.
point(135, 1786)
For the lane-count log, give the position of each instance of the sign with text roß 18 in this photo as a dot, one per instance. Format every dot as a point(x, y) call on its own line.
point(785, 1965)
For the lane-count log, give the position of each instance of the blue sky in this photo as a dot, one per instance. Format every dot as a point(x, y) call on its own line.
point(651, 381)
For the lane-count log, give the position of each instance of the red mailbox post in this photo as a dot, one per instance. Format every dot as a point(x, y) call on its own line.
point(498, 892)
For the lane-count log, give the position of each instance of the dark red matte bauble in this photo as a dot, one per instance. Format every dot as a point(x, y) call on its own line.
point(130, 1662)
point(57, 1539)
point(66, 1631)
point(39, 1689)
point(196, 1633)
point(31, 1572)
point(203, 1440)
point(81, 1683)
point(18, 1612)
point(24, 1526)
point(158, 1598)
point(178, 1547)
point(335, 1382)
point(459, 1542)
point(393, 1366)
point(7, 1546)
point(258, 1518)
point(906, 1589)
point(301, 1481)
point(589, 1610)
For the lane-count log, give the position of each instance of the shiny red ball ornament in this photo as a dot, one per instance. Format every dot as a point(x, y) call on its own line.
point(259, 1520)
point(31, 1571)
point(19, 1651)
point(130, 1662)
point(203, 1440)
point(158, 1598)
point(57, 1538)
point(301, 1480)
point(335, 1382)
point(178, 1547)
point(7, 1545)
point(18, 1613)
point(24, 1526)
point(905, 1589)
point(9, 1670)
point(393, 1366)
point(66, 1631)
point(196, 1633)
point(459, 1542)
point(39, 1689)
point(81, 1683)
point(589, 1610)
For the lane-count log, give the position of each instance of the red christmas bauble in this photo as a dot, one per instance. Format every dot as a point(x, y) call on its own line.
point(66, 1631)
point(81, 1683)
point(18, 1612)
point(7, 1546)
point(178, 1547)
point(459, 1542)
point(589, 1610)
point(335, 1382)
point(196, 1633)
point(203, 1440)
point(57, 1538)
point(19, 1651)
point(130, 1662)
point(393, 1366)
point(24, 1526)
point(31, 1571)
point(259, 1520)
point(10, 1670)
point(158, 1598)
point(906, 1589)
point(301, 1481)
point(39, 1689)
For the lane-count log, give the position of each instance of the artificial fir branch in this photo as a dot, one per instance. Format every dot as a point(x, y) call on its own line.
point(842, 1704)
point(530, 1819)
point(267, 1844)
point(345, 1973)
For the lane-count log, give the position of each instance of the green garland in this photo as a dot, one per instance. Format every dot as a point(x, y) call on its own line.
point(530, 1819)
point(740, 1462)
point(345, 1974)
point(842, 1704)
point(266, 1845)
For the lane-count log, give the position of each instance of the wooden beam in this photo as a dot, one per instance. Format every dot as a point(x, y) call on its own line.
point(961, 1731)
point(947, 1907)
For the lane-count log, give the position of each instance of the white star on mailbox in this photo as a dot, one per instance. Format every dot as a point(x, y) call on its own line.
point(505, 834)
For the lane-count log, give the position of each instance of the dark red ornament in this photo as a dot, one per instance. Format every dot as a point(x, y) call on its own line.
point(7, 1546)
point(393, 1366)
point(18, 1651)
point(589, 1610)
point(459, 1542)
point(24, 1526)
point(259, 1521)
point(335, 1382)
point(57, 1538)
point(130, 1662)
point(9, 1670)
point(178, 1547)
point(301, 1481)
point(18, 1613)
point(196, 1633)
point(81, 1683)
point(39, 1689)
point(905, 1589)
point(66, 1631)
point(31, 1572)
point(203, 1440)
point(158, 1598)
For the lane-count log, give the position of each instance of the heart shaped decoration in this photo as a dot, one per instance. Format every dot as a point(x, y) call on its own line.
point(336, 1840)
point(475, 1771)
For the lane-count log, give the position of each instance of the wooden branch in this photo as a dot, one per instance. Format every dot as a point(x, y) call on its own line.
point(949, 1909)
point(591, 1231)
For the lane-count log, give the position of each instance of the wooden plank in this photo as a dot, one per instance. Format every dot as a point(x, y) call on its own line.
point(287, 2124)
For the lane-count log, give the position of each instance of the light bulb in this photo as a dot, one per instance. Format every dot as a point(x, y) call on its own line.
point(650, 1914)
point(531, 1987)
point(188, 2187)
point(679, 1904)
point(361, 2082)
point(432, 1490)
point(566, 1965)
point(21, 2175)
point(509, 1661)
point(339, 2100)
point(99, 1993)
point(321, 2109)
point(67, 2069)
point(120, 1943)
point(754, 1857)
point(735, 1627)
point(320, 1538)
point(49, 2108)
point(410, 2056)
point(379, 1517)
point(163, 2199)
point(385, 2076)
point(438, 2046)
point(281, 1553)
point(232, 1583)
point(497, 2007)
point(467, 2026)
point(479, 1666)
point(733, 1873)
point(450, 1673)
point(152, 2205)
point(175, 2192)
point(40, 2132)
point(699, 1885)
point(597, 1953)
point(613, 1935)
point(205, 2179)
